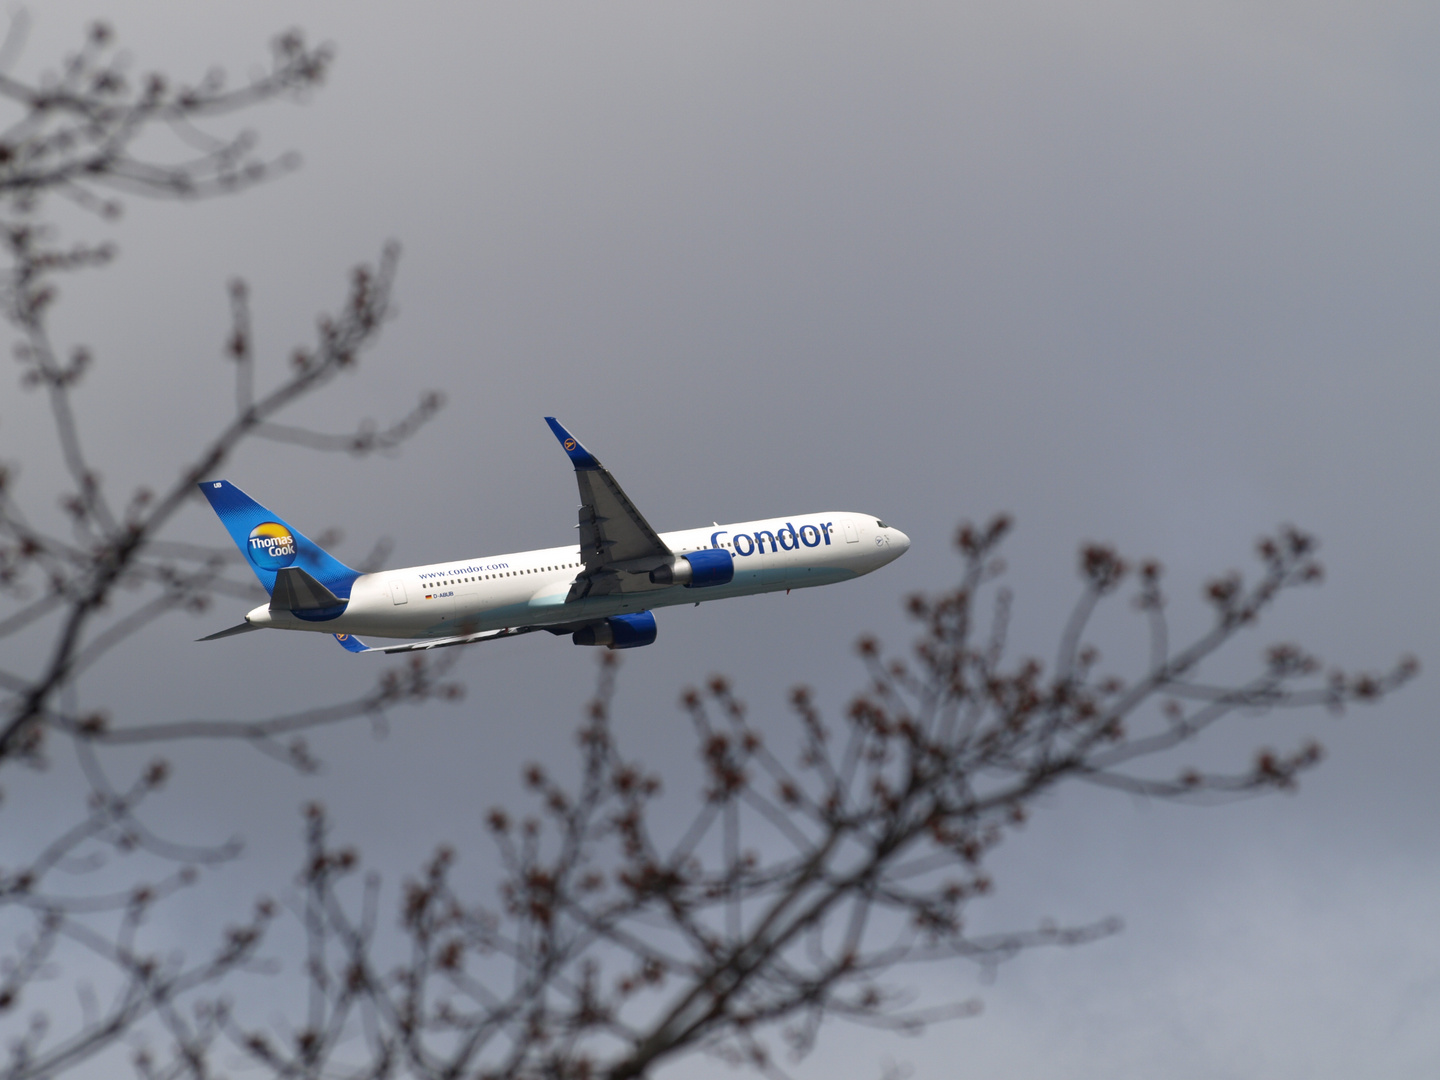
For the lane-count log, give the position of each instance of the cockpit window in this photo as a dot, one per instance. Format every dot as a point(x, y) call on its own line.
point(881, 524)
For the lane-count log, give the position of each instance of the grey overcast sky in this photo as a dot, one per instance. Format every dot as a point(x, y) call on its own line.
point(1163, 275)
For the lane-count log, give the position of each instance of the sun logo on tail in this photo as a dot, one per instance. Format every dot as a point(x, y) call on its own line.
point(271, 546)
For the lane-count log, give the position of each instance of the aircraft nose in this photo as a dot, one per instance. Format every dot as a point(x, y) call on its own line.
point(900, 540)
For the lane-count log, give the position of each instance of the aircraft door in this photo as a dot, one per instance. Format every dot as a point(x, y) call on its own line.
point(852, 536)
point(397, 592)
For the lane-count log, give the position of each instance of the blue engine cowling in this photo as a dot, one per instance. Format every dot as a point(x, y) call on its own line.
point(710, 566)
point(619, 631)
point(698, 570)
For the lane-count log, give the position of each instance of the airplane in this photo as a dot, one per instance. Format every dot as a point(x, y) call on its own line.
point(601, 590)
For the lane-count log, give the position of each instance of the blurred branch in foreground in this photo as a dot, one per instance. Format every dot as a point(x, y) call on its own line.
point(74, 590)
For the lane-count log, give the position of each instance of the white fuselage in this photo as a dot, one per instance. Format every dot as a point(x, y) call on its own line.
point(530, 588)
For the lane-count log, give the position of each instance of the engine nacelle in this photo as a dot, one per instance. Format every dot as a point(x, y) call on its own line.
point(698, 570)
point(619, 631)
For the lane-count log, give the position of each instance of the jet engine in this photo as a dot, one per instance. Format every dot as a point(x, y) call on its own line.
point(698, 570)
point(619, 631)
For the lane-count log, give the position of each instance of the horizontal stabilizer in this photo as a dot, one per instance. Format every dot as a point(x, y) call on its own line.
point(295, 590)
point(243, 628)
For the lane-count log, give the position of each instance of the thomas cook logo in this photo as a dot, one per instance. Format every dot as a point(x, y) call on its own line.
point(271, 546)
point(569, 444)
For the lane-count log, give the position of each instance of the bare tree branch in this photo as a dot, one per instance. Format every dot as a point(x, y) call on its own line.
point(797, 893)
point(84, 132)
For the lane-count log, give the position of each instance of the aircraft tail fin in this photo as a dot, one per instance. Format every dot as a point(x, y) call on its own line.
point(295, 590)
point(271, 545)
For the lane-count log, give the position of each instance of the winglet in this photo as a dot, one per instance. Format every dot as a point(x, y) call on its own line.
point(351, 643)
point(582, 458)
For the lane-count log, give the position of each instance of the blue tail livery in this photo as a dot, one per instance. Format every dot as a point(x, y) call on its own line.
point(271, 545)
point(600, 588)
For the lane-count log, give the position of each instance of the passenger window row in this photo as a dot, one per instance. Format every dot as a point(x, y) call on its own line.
point(509, 573)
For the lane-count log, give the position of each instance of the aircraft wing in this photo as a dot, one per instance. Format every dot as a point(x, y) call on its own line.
point(350, 643)
point(617, 544)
